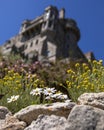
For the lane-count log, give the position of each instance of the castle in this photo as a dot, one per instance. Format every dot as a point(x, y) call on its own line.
point(50, 36)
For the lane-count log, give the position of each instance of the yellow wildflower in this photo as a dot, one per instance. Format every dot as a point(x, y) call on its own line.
point(77, 65)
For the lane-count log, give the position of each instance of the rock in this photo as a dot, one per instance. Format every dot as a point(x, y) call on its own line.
point(45, 122)
point(32, 112)
point(88, 115)
point(93, 99)
point(84, 117)
point(3, 112)
point(2, 123)
point(11, 119)
point(14, 126)
point(11, 123)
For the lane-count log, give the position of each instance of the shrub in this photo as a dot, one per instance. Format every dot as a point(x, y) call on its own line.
point(19, 91)
point(85, 79)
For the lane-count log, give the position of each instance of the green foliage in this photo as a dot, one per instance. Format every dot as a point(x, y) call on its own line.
point(22, 89)
point(85, 79)
point(24, 84)
point(13, 58)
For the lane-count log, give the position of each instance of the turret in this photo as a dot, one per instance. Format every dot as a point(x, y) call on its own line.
point(50, 17)
point(71, 26)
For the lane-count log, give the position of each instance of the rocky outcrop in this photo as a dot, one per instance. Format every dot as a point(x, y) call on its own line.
point(83, 117)
point(9, 122)
point(93, 99)
point(14, 126)
point(3, 112)
point(45, 122)
point(88, 114)
point(31, 113)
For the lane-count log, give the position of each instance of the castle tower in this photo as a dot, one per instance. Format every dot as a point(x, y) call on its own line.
point(49, 19)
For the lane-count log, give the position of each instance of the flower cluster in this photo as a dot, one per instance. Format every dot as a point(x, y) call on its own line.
point(86, 78)
point(49, 93)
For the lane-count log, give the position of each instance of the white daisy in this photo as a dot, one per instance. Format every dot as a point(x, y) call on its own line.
point(49, 91)
point(36, 91)
point(12, 99)
point(59, 96)
point(63, 97)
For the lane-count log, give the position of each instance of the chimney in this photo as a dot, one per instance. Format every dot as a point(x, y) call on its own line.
point(62, 13)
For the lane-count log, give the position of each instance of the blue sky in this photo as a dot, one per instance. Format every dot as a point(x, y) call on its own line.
point(89, 15)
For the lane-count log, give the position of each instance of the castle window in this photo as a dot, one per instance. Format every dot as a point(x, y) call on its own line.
point(44, 24)
point(27, 35)
point(50, 24)
point(37, 30)
point(31, 44)
point(48, 53)
point(32, 33)
point(36, 42)
point(51, 14)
